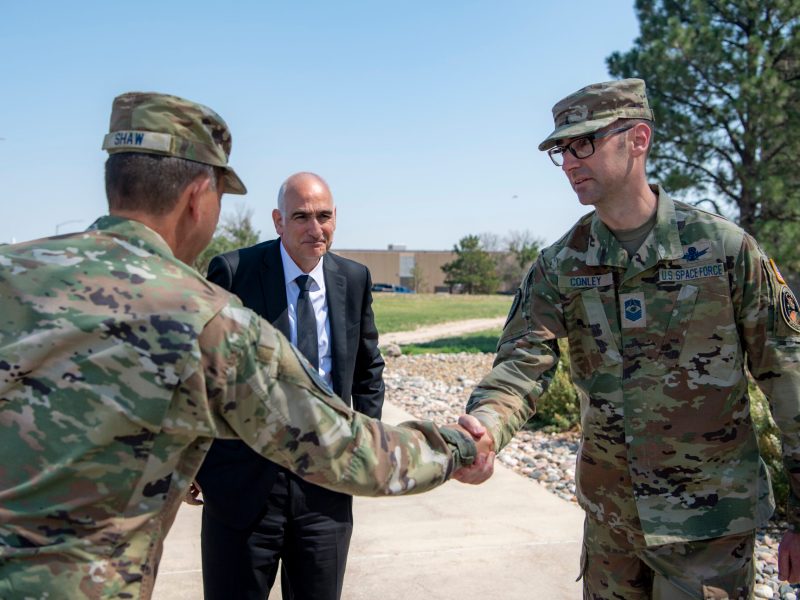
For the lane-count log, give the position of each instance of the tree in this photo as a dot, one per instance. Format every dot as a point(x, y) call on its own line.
point(521, 250)
point(490, 242)
point(418, 275)
point(473, 268)
point(723, 78)
point(524, 247)
point(235, 231)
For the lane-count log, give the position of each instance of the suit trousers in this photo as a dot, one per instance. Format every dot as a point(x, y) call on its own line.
point(305, 526)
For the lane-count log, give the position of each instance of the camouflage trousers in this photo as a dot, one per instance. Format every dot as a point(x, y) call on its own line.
point(716, 569)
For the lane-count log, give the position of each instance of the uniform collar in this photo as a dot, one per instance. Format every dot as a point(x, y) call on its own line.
point(133, 232)
point(663, 242)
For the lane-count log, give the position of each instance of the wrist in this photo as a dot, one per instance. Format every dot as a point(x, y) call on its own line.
point(462, 446)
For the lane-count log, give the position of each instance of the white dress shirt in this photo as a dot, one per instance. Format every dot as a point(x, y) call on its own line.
point(320, 303)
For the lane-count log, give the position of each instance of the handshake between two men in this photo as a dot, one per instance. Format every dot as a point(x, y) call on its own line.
point(483, 466)
point(474, 466)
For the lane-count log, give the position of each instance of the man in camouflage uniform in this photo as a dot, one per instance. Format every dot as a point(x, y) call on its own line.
point(662, 304)
point(119, 363)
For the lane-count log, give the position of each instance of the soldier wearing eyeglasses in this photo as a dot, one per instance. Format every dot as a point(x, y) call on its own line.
point(663, 306)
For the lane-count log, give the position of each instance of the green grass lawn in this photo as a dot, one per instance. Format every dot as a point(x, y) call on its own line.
point(404, 312)
point(480, 341)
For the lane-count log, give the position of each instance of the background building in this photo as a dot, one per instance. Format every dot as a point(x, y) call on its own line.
point(418, 270)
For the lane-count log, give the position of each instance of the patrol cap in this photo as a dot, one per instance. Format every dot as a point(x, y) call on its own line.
point(154, 123)
point(597, 105)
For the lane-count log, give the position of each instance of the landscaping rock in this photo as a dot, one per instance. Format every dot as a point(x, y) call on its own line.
point(391, 350)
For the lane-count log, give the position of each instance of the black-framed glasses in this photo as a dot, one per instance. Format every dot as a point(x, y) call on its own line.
point(582, 147)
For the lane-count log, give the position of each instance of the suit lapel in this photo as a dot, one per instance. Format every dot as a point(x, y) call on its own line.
point(335, 294)
point(273, 288)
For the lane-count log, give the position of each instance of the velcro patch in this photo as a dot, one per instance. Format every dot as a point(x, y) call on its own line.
point(585, 281)
point(632, 310)
point(697, 251)
point(790, 309)
point(138, 140)
point(691, 273)
point(778, 275)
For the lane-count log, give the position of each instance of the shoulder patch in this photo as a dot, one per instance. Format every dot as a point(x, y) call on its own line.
point(514, 307)
point(312, 373)
point(790, 310)
point(778, 275)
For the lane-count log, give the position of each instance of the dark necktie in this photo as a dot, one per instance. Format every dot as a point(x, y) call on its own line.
point(306, 322)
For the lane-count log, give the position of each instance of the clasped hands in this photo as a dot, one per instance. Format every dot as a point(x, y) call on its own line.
point(478, 472)
point(483, 467)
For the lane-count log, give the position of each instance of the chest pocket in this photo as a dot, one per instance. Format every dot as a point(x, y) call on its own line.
point(701, 339)
point(592, 345)
point(678, 325)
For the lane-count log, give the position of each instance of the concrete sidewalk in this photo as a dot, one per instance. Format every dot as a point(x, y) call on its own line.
point(507, 539)
point(428, 333)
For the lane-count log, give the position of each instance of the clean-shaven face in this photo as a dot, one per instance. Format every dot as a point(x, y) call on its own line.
point(307, 223)
point(598, 176)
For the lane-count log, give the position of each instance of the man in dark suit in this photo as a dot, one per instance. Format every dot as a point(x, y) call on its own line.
point(255, 512)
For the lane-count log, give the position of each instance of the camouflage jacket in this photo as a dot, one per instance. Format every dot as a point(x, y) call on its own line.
point(118, 366)
point(658, 345)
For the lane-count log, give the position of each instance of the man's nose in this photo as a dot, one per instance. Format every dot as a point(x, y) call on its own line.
point(315, 228)
point(570, 162)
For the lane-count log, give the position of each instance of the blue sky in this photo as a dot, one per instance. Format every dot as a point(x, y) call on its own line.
point(424, 117)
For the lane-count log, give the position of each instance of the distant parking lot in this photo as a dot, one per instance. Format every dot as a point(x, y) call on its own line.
point(388, 287)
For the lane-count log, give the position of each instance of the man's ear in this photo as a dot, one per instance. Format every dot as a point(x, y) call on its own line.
point(642, 134)
point(193, 193)
point(277, 220)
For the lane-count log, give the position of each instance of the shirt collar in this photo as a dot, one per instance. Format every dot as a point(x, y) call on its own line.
point(291, 271)
point(134, 232)
point(663, 243)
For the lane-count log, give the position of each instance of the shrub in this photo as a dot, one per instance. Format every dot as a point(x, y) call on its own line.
point(558, 409)
point(769, 444)
point(472, 343)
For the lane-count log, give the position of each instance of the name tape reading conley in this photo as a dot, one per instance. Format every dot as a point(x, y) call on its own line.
point(689, 273)
point(585, 281)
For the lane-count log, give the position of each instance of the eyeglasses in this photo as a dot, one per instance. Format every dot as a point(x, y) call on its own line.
point(583, 147)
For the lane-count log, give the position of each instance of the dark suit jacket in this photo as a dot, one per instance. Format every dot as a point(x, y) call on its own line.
point(236, 480)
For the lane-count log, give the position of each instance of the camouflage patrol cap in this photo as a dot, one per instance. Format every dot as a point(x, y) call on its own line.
point(597, 105)
point(161, 124)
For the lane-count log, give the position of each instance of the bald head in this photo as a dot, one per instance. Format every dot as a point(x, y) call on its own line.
point(303, 185)
point(305, 218)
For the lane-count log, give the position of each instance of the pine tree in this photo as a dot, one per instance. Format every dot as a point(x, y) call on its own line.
point(473, 268)
point(723, 78)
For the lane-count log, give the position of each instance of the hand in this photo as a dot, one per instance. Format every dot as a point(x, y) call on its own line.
point(483, 467)
point(192, 494)
point(789, 557)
